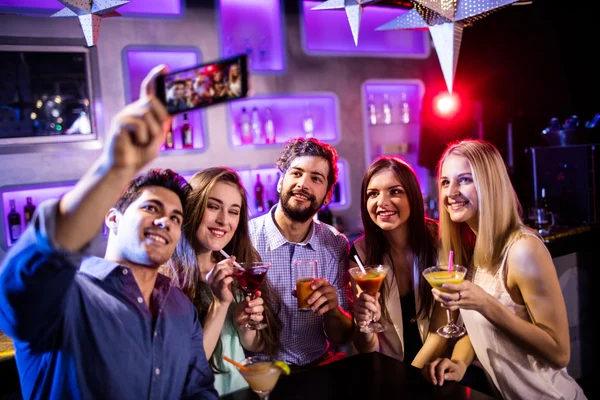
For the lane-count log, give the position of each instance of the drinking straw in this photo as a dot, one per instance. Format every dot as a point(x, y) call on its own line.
point(228, 256)
point(450, 261)
point(359, 264)
point(237, 364)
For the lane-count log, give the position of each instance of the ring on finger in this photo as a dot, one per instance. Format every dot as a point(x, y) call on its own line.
point(459, 296)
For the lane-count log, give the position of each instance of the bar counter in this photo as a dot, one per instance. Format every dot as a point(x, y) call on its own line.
point(361, 377)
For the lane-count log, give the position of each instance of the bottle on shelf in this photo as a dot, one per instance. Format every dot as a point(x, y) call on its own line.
point(28, 210)
point(256, 126)
point(336, 196)
point(14, 222)
point(271, 192)
point(404, 109)
point(269, 127)
point(275, 187)
point(387, 110)
point(372, 109)
point(187, 135)
point(169, 142)
point(245, 127)
point(308, 123)
point(259, 195)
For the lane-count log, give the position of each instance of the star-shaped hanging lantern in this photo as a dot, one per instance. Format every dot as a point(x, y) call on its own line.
point(446, 20)
point(90, 14)
point(354, 9)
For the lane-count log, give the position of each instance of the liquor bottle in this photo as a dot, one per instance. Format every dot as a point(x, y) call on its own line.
point(14, 223)
point(270, 192)
point(169, 142)
point(245, 127)
point(187, 136)
point(269, 127)
point(387, 110)
point(404, 110)
point(259, 195)
point(28, 210)
point(256, 126)
point(336, 198)
point(372, 110)
point(308, 123)
point(277, 177)
point(542, 222)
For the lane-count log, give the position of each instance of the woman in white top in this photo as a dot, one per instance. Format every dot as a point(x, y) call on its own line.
point(511, 303)
point(397, 234)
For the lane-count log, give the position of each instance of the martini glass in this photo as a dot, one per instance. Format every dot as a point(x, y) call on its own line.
point(437, 276)
point(369, 281)
point(261, 375)
point(250, 277)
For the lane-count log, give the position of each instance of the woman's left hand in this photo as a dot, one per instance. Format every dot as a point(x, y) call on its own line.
point(465, 295)
point(249, 309)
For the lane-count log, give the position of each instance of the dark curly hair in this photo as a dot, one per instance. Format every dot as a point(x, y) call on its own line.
point(300, 147)
point(165, 178)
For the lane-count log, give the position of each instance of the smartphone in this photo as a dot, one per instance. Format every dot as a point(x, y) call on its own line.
point(204, 85)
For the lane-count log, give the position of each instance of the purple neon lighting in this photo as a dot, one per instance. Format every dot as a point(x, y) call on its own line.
point(253, 27)
point(20, 197)
point(394, 92)
point(328, 32)
point(288, 115)
point(140, 62)
point(135, 7)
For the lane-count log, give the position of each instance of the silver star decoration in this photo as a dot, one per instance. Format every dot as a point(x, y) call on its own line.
point(353, 9)
point(446, 20)
point(90, 13)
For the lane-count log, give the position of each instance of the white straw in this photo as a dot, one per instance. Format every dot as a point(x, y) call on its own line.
point(359, 264)
point(228, 256)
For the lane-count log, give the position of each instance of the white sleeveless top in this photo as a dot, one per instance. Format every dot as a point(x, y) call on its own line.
point(514, 373)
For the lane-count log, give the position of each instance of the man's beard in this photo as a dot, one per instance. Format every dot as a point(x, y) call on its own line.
point(300, 214)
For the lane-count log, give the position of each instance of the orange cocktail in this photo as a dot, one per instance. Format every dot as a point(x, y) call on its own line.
point(262, 373)
point(303, 292)
point(369, 280)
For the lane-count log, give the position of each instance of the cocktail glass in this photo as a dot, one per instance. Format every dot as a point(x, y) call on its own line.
point(369, 282)
point(437, 276)
point(261, 374)
point(250, 278)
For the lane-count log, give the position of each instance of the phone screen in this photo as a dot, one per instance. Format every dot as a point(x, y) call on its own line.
point(204, 85)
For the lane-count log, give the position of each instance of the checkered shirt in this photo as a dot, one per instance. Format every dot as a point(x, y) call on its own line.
point(303, 338)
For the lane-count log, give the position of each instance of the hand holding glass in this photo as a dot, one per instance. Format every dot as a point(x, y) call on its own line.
point(370, 282)
point(250, 278)
point(437, 276)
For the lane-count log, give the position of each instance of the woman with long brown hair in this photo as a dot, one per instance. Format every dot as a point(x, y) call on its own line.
point(397, 234)
point(217, 219)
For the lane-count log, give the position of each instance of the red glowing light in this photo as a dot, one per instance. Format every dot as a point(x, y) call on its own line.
point(446, 105)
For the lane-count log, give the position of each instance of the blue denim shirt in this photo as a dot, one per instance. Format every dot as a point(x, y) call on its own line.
point(87, 334)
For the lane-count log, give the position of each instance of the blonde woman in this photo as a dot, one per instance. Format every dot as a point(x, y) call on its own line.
point(511, 304)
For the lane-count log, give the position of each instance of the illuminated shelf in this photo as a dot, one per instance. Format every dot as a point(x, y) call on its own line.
point(255, 28)
point(288, 114)
point(327, 33)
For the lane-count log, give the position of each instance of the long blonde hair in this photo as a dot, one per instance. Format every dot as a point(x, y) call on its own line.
point(499, 210)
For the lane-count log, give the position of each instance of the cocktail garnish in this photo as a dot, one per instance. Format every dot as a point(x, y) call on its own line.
point(283, 366)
